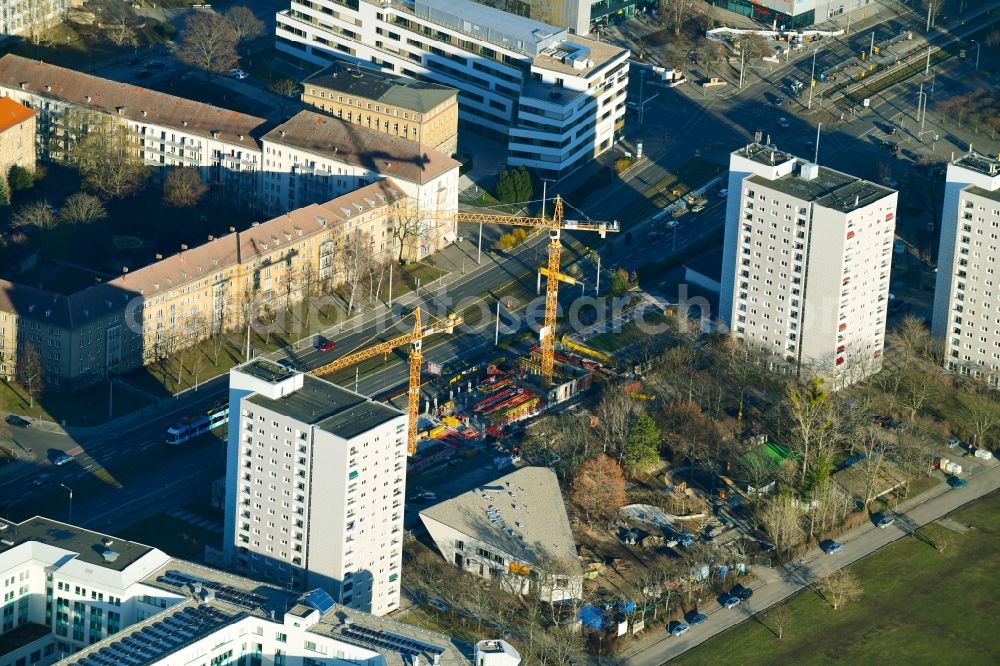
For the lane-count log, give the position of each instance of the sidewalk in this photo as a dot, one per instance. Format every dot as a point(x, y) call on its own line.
point(785, 581)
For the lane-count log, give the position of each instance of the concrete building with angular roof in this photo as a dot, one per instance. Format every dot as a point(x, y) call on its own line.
point(515, 530)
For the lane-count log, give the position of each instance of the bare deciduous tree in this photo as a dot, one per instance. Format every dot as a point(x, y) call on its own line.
point(120, 33)
point(782, 519)
point(840, 587)
point(183, 187)
point(108, 160)
point(209, 43)
point(356, 257)
point(599, 487)
point(982, 418)
point(676, 13)
point(243, 22)
point(36, 213)
point(31, 371)
point(779, 618)
point(82, 208)
point(615, 414)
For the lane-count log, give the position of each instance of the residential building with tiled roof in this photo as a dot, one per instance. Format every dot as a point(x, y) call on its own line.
point(17, 135)
point(417, 110)
point(154, 311)
point(171, 131)
point(313, 157)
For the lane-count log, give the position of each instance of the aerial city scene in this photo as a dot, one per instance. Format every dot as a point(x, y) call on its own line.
point(499, 332)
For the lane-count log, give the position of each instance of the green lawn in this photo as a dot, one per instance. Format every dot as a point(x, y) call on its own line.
point(919, 606)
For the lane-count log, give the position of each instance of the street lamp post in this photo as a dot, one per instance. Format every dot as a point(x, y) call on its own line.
point(70, 520)
point(977, 53)
point(812, 80)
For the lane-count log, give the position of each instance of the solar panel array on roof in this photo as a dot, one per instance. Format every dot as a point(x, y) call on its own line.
point(404, 645)
point(320, 600)
point(229, 595)
point(152, 642)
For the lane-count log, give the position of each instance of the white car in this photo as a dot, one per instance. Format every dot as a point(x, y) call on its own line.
point(724, 192)
point(238, 74)
point(672, 223)
point(783, 122)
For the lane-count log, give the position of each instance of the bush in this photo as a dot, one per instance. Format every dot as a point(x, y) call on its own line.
point(20, 178)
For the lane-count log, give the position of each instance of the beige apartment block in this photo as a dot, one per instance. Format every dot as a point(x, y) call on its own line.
point(153, 312)
point(426, 113)
point(17, 135)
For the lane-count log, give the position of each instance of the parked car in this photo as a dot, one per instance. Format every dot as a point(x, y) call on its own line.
point(953, 443)
point(60, 459)
point(286, 363)
point(778, 101)
point(440, 605)
point(831, 547)
point(678, 628)
point(783, 122)
point(957, 482)
point(695, 617)
point(891, 146)
point(741, 591)
point(731, 602)
point(15, 420)
point(325, 345)
point(882, 520)
point(238, 74)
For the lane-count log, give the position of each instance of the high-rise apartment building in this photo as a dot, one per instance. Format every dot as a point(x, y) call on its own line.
point(966, 297)
point(557, 99)
point(315, 480)
point(806, 262)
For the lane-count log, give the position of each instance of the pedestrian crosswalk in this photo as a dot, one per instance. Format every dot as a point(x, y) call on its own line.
point(196, 520)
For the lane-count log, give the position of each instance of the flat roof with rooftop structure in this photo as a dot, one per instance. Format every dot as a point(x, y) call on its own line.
point(993, 195)
point(517, 33)
point(984, 164)
point(329, 407)
point(360, 146)
point(522, 514)
point(406, 93)
point(828, 188)
point(578, 55)
point(266, 370)
point(91, 547)
point(764, 153)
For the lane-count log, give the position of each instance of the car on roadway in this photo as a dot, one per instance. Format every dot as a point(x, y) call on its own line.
point(155, 64)
point(831, 547)
point(730, 602)
point(678, 628)
point(891, 146)
point(741, 591)
point(697, 208)
point(144, 74)
point(59, 459)
point(957, 482)
point(882, 520)
point(672, 223)
point(15, 420)
point(132, 62)
point(694, 617)
point(325, 345)
point(724, 192)
point(41, 480)
point(238, 74)
point(783, 122)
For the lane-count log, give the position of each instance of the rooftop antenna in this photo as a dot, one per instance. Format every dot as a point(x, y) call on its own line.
point(819, 126)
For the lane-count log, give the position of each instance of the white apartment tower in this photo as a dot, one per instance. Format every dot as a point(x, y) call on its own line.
point(556, 98)
point(966, 297)
point(315, 480)
point(806, 262)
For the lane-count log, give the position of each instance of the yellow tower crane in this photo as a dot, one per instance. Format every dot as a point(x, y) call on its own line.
point(555, 224)
point(415, 340)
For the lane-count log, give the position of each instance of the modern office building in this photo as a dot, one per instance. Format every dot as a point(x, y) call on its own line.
point(966, 298)
point(83, 598)
point(800, 13)
point(806, 262)
point(555, 98)
point(17, 136)
point(315, 480)
point(423, 112)
point(169, 131)
point(313, 157)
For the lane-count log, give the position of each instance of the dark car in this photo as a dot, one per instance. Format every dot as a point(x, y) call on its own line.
point(16, 420)
point(882, 520)
point(155, 64)
point(831, 547)
point(957, 482)
point(144, 74)
point(891, 146)
point(778, 101)
point(133, 62)
point(59, 459)
point(742, 592)
point(695, 617)
point(41, 480)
